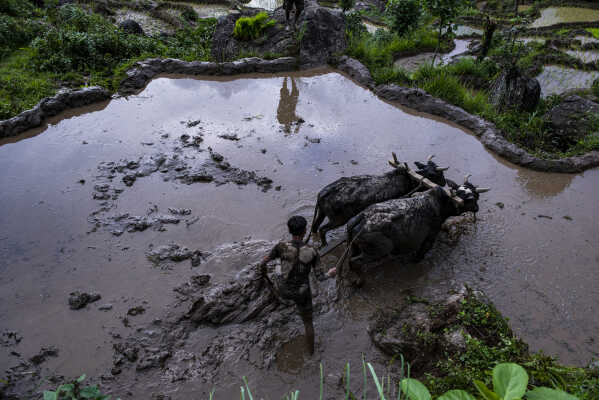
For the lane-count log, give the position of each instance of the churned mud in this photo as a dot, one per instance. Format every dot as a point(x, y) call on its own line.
point(116, 200)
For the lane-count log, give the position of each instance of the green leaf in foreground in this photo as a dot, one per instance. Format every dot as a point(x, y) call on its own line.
point(509, 381)
point(543, 393)
point(414, 389)
point(456, 395)
point(485, 391)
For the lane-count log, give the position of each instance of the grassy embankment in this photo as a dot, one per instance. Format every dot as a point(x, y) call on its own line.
point(466, 82)
point(42, 50)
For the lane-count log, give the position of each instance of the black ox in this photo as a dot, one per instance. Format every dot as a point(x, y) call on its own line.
point(347, 196)
point(408, 225)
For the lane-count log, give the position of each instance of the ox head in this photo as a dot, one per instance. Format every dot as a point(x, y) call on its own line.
point(468, 193)
point(432, 171)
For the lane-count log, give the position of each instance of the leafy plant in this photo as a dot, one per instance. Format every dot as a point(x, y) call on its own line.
point(74, 391)
point(251, 28)
point(403, 14)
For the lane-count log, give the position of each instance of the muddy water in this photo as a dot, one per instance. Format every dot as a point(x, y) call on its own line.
point(539, 267)
point(555, 79)
point(412, 63)
point(584, 56)
point(558, 15)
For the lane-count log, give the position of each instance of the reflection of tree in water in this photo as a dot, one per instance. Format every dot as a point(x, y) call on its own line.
point(287, 105)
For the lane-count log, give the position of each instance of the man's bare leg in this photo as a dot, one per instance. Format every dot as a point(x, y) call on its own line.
point(309, 328)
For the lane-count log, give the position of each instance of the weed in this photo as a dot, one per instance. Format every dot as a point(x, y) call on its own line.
point(251, 28)
point(594, 32)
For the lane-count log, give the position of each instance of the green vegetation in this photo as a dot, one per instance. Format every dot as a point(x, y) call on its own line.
point(43, 49)
point(251, 28)
point(403, 14)
point(346, 4)
point(74, 391)
point(594, 32)
point(465, 83)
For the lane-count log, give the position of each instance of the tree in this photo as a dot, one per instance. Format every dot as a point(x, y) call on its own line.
point(405, 14)
point(346, 4)
point(446, 11)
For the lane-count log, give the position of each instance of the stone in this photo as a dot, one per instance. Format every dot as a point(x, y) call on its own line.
point(324, 34)
point(514, 90)
point(132, 27)
point(78, 300)
point(571, 120)
point(356, 70)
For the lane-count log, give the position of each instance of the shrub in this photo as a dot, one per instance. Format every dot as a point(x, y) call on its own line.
point(251, 28)
point(16, 8)
point(404, 15)
point(15, 33)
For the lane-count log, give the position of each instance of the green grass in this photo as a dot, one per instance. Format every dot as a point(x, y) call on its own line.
point(41, 50)
point(21, 87)
point(594, 32)
point(251, 28)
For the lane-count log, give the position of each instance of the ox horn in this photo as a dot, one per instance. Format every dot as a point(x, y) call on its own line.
point(430, 158)
point(482, 190)
point(441, 169)
point(466, 177)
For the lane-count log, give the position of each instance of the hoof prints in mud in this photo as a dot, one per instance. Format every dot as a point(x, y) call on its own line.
point(244, 319)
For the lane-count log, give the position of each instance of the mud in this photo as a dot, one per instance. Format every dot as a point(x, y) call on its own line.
point(540, 272)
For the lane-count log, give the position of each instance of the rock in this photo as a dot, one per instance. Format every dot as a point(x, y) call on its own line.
point(78, 300)
point(105, 307)
point(132, 27)
point(427, 333)
point(571, 120)
point(356, 70)
point(409, 333)
point(324, 34)
point(514, 90)
point(594, 365)
point(179, 211)
point(44, 353)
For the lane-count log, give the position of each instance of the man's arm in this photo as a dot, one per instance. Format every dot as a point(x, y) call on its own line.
point(274, 254)
point(318, 269)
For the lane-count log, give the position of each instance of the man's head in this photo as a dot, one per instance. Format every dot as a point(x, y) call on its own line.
point(297, 225)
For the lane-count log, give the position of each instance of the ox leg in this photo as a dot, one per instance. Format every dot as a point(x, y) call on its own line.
point(323, 232)
point(425, 247)
point(318, 218)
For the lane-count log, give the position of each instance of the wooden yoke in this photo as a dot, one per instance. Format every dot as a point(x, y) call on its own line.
point(424, 181)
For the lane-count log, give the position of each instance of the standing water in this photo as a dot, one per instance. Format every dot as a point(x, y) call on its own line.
point(557, 15)
point(535, 255)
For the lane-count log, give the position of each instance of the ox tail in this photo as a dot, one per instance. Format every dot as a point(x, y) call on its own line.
point(314, 218)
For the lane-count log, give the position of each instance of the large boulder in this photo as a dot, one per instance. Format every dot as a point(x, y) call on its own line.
point(571, 120)
point(321, 34)
point(514, 90)
point(427, 331)
point(131, 26)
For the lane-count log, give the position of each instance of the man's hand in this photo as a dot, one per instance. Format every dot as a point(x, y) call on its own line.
point(332, 272)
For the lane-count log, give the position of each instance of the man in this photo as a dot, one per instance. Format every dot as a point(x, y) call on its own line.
point(291, 280)
point(299, 7)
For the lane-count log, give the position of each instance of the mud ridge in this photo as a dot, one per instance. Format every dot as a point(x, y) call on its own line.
point(51, 106)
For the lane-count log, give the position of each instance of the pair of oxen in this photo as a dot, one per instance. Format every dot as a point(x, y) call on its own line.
point(395, 213)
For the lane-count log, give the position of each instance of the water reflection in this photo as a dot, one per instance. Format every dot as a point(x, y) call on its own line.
point(287, 105)
point(542, 184)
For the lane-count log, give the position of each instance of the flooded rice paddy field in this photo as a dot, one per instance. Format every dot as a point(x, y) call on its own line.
point(557, 15)
point(533, 249)
point(557, 79)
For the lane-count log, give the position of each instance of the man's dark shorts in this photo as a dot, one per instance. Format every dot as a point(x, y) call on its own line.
point(299, 5)
point(301, 296)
